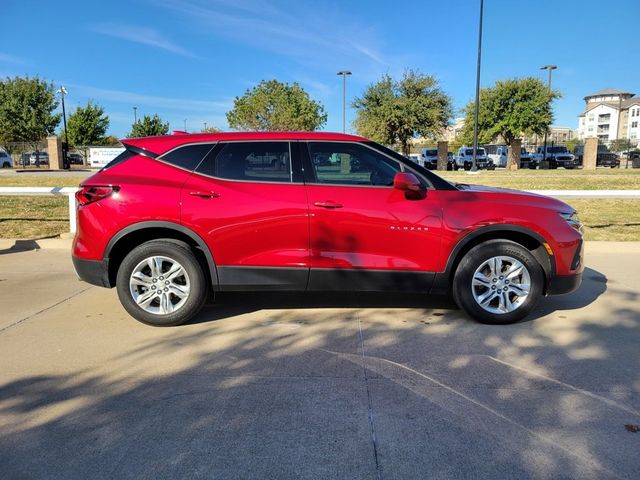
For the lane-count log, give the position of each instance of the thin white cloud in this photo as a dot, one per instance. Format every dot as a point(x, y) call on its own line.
point(143, 35)
point(155, 103)
point(312, 39)
point(6, 58)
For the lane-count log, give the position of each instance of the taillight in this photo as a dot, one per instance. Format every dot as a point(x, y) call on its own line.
point(90, 194)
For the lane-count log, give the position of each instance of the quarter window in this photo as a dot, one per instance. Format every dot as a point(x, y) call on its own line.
point(249, 161)
point(189, 156)
point(351, 164)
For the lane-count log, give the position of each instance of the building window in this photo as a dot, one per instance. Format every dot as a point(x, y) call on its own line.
point(634, 124)
point(604, 118)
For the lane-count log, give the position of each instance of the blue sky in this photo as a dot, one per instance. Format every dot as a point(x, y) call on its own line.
point(188, 59)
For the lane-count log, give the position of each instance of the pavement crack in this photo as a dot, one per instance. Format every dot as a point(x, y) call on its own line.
point(17, 322)
point(372, 425)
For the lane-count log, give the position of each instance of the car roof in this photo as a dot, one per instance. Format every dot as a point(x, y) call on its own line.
point(164, 143)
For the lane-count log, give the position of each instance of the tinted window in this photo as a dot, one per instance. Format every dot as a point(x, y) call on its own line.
point(187, 157)
point(119, 159)
point(351, 164)
point(257, 161)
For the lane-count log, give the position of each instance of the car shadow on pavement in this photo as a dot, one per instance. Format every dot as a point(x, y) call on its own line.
point(21, 246)
point(234, 304)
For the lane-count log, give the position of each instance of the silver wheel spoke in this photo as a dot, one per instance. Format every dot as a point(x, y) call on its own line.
point(486, 298)
point(175, 271)
point(520, 289)
point(144, 299)
point(481, 280)
point(514, 271)
point(179, 290)
point(139, 278)
point(165, 303)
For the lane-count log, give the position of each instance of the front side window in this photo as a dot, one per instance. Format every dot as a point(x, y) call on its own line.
point(351, 164)
point(249, 161)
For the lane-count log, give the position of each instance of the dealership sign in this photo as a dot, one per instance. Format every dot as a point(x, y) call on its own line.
point(100, 156)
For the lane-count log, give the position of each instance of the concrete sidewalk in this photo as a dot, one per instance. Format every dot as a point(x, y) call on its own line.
point(285, 386)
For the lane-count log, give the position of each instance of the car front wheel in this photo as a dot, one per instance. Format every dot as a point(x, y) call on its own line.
point(498, 282)
point(161, 283)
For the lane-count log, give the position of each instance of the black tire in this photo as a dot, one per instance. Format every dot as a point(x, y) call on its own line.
point(462, 281)
point(179, 252)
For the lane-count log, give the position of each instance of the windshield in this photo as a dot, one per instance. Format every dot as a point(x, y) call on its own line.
point(469, 151)
point(431, 153)
point(557, 149)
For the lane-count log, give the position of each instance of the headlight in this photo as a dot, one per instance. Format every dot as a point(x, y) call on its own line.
point(573, 220)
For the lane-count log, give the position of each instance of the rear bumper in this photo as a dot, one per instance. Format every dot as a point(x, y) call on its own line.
point(560, 284)
point(95, 272)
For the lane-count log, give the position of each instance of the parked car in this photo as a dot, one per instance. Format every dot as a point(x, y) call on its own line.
point(464, 159)
point(42, 156)
point(5, 159)
point(429, 158)
point(527, 160)
point(499, 154)
point(604, 157)
point(557, 156)
point(415, 158)
point(175, 217)
point(75, 159)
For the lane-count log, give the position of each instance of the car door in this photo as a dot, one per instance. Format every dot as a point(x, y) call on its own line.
point(247, 200)
point(365, 234)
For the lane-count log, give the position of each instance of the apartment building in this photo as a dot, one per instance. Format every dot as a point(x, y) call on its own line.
point(610, 114)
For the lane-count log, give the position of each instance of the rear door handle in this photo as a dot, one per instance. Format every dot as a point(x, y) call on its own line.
point(205, 194)
point(328, 204)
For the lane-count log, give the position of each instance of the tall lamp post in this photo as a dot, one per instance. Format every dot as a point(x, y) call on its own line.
point(63, 91)
point(551, 68)
point(135, 115)
point(185, 124)
point(477, 102)
point(344, 74)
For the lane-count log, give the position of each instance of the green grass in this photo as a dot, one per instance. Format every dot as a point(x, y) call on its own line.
point(601, 179)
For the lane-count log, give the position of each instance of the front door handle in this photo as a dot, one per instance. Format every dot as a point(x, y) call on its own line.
point(205, 194)
point(328, 204)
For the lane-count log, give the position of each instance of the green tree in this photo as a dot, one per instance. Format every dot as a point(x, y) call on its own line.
point(620, 145)
point(87, 125)
point(510, 109)
point(571, 144)
point(110, 140)
point(276, 106)
point(210, 130)
point(27, 108)
point(148, 127)
point(393, 112)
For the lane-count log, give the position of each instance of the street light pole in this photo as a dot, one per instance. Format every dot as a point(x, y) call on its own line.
point(344, 74)
point(205, 126)
point(551, 68)
point(135, 115)
point(477, 102)
point(185, 124)
point(63, 91)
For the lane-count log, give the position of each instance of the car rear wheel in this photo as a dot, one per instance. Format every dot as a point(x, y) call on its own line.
point(161, 283)
point(498, 282)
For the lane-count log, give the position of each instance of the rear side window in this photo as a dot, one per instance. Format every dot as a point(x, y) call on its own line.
point(188, 156)
point(249, 161)
point(126, 155)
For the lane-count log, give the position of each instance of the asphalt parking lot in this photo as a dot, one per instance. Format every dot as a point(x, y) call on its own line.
point(357, 387)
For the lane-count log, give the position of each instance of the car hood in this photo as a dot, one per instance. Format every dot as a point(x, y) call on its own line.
point(516, 197)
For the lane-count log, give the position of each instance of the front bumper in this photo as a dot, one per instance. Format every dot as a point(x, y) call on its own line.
point(560, 284)
point(95, 272)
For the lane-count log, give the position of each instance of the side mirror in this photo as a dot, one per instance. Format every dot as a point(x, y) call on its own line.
point(410, 185)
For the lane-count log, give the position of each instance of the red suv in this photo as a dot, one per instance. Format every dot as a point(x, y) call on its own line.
point(176, 217)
